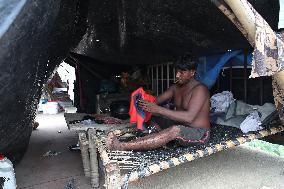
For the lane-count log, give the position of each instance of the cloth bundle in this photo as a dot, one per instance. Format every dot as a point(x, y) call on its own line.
point(220, 102)
point(251, 123)
point(137, 115)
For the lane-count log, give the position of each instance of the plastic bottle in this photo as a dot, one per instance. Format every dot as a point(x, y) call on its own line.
point(7, 175)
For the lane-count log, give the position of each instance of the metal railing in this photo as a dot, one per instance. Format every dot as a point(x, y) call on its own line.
point(161, 76)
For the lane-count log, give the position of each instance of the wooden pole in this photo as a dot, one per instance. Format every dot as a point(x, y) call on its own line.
point(84, 147)
point(278, 93)
point(245, 76)
point(93, 159)
point(111, 168)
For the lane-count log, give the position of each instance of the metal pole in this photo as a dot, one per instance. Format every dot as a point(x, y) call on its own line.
point(231, 75)
point(245, 75)
point(174, 72)
point(162, 77)
point(157, 78)
point(261, 91)
point(168, 75)
point(98, 108)
point(218, 84)
point(148, 73)
point(152, 77)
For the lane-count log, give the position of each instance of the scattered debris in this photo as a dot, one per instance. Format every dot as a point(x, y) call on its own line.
point(51, 153)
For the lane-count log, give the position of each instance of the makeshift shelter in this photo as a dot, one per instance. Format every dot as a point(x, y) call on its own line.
point(264, 63)
point(110, 34)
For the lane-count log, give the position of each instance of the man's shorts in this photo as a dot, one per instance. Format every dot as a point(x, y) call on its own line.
point(192, 135)
point(188, 135)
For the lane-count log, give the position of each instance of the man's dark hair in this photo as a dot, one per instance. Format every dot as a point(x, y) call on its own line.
point(186, 62)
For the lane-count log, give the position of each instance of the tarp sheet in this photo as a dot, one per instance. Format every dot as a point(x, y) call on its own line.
point(209, 67)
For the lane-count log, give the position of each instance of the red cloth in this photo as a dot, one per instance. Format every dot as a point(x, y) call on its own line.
point(107, 119)
point(137, 115)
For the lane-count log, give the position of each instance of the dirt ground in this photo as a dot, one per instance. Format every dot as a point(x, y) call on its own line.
point(239, 168)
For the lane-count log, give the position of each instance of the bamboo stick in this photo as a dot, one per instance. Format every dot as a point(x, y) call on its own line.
point(223, 7)
point(242, 10)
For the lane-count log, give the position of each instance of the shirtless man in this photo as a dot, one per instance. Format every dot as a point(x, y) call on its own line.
point(188, 123)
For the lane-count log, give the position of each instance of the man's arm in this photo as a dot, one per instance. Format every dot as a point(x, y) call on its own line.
point(167, 95)
point(199, 97)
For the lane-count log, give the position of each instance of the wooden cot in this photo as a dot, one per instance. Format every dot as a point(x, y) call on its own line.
point(121, 167)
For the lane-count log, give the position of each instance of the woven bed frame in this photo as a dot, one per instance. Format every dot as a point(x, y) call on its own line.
point(122, 167)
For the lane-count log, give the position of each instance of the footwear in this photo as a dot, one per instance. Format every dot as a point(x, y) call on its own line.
point(74, 147)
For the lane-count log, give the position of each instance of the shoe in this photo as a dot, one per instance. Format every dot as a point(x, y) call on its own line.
point(74, 147)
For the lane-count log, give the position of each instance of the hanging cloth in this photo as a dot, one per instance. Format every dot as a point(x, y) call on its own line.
point(138, 115)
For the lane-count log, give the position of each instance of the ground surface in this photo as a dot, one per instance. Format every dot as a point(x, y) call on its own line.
point(239, 168)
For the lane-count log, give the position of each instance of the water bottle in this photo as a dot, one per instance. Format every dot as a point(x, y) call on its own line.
point(7, 175)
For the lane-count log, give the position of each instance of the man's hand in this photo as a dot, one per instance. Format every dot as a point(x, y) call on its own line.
point(149, 106)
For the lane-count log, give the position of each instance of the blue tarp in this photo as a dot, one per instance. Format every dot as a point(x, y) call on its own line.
point(209, 67)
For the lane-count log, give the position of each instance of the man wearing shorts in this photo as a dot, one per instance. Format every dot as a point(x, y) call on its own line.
point(188, 123)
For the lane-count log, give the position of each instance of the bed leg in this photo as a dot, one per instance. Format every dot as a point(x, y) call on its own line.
point(84, 147)
point(93, 159)
point(278, 93)
point(112, 177)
